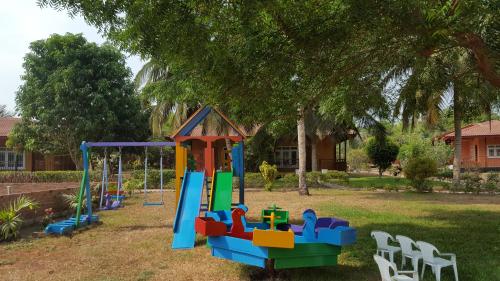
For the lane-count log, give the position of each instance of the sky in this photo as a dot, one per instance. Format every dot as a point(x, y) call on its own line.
point(22, 22)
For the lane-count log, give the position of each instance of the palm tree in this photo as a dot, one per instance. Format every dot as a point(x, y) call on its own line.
point(431, 82)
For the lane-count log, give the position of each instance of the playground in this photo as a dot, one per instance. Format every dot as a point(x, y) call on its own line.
point(134, 243)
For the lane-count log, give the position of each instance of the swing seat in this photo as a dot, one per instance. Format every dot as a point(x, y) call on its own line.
point(152, 204)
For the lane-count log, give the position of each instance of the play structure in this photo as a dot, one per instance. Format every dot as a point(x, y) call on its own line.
point(317, 242)
point(67, 226)
point(209, 161)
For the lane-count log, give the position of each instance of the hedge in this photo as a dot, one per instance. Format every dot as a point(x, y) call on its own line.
point(45, 176)
point(154, 177)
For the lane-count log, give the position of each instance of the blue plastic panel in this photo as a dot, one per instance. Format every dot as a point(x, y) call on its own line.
point(187, 210)
point(239, 257)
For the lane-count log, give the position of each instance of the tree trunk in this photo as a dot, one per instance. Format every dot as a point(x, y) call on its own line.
point(73, 154)
point(229, 147)
point(301, 139)
point(314, 151)
point(457, 122)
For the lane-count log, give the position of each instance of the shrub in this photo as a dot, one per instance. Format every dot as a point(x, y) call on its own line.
point(335, 175)
point(415, 145)
point(10, 217)
point(492, 182)
point(471, 182)
point(418, 170)
point(153, 177)
point(290, 179)
point(357, 159)
point(254, 180)
point(133, 184)
point(269, 173)
point(444, 173)
point(382, 152)
point(313, 177)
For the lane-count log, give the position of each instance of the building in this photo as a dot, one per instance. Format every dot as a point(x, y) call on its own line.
point(480, 145)
point(330, 153)
point(330, 150)
point(26, 160)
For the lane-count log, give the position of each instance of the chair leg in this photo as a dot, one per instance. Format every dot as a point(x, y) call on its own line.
point(403, 261)
point(437, 271)
point(455, 271)
point(415, 263)
point(391, 256)
point(423, 271)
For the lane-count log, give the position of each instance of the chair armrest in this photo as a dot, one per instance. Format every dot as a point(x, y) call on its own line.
point(413, 273)
point(453, 256)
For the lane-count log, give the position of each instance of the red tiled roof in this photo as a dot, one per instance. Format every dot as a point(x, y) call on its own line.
point(6, 125)
point(487, 128)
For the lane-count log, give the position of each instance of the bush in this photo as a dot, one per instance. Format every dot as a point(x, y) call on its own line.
point(290, 179)
point(357, 159)
point(269, 173)
point(335, 175)
point(254, 180)
point(471, 182)
point(418, 170)
point(313, 177)
point(131, 185)
point(382, 153)
point(415, 145)
point(492, 182)
point(153, 177)
point(444, 173)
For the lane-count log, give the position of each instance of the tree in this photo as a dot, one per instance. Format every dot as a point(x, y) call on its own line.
point(264, 60)
point(4, 112)
point(418, 170)
point(382, 152)
point(74, 90)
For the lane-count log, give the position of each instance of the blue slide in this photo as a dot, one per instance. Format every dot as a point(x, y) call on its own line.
point(187, 210)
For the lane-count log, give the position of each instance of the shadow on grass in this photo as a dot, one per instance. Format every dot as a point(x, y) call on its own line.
point(142, 227)
point(442, 198)
point(473, 235)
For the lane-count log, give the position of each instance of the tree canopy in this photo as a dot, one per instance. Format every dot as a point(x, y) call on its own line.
point(75, 90)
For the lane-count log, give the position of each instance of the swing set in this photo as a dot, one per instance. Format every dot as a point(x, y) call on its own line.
point(118, 194)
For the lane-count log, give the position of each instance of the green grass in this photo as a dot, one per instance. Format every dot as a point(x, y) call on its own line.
point(385, 182)
point(133, 243)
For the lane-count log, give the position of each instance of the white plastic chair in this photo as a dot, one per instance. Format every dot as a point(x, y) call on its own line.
point(436, 262)
point(408, 251)
point(383, 246)
point(386, 267)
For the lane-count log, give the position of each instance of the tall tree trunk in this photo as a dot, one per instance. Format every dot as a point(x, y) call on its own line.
point(301, 139)
point(457, 122)
point(314, 151)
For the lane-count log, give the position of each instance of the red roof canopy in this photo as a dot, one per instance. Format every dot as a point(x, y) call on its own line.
point(6, 125)
point(487, 128)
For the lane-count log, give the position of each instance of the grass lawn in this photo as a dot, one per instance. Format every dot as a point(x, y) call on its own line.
point(133, 243)
point(381, 182)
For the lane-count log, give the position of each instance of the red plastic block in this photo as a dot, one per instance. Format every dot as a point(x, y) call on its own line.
point(209, 227)
point(237, 228)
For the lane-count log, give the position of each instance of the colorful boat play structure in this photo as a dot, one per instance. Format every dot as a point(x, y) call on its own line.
point(271, 242)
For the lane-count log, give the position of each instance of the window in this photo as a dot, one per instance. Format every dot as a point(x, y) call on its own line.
point(494, 151)
point(8, 159)
point(286, 157)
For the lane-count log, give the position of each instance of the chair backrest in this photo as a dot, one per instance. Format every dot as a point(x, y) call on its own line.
point(384, 267)
point(427, 250)
point(406, 244)
point(381, 237)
